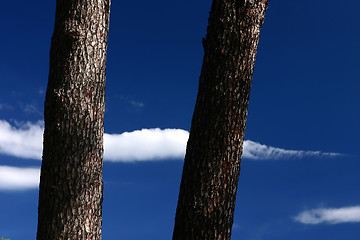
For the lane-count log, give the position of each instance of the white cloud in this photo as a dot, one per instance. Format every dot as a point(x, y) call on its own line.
point(14, 178)
point(329, 215)
point(145, 144)
point(25, 141)
point(257, 151)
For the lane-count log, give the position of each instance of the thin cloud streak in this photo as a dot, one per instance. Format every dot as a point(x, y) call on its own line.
point(26, 140)
point(329, 215)
point(257, 151)
point(137, 104)
point(16, 179)
point(32, 109)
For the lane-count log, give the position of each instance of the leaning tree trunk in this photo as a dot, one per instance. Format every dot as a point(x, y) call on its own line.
point(71, 187)
point(212, 163)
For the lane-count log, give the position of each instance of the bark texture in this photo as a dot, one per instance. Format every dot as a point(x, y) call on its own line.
point(71, 187)
point(212, 163)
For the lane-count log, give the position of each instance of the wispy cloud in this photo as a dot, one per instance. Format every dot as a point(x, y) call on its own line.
point(41, 91)
point(257, 151)
point(15, 179)
point(25, 141)
point(136, 104)
point(4, 106)
point(29, 108)
point(329, 215)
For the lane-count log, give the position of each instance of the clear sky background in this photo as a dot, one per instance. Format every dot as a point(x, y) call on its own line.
point(305, 98)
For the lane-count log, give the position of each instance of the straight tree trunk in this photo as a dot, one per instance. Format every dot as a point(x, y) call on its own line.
point(212, 163)
point(71, 187)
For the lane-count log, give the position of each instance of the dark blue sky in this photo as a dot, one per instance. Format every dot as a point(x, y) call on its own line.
point(305, 97)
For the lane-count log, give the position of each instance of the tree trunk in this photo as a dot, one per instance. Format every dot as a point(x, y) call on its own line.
point(71, 187)
point(212, 163)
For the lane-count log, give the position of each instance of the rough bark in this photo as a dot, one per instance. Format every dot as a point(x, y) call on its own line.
point(71, 187)
point(212, 163)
